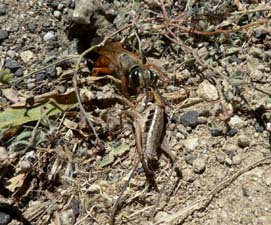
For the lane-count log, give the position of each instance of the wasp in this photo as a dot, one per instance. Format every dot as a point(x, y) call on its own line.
point(127, 66)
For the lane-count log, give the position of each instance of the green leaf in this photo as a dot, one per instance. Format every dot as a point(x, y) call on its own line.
point(107, 160)
point(16, 116)
point(121, 149)
point(5, 76)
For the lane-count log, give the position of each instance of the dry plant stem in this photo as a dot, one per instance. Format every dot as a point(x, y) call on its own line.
point(161, 192)
point(116, 204)
point(178, 41)
point(219, 31)
point(74, 79)
point(251, 11)
point(203, 202)
point(226, 114)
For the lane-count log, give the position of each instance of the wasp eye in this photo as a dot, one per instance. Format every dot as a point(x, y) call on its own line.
point(154, 77)
point(134, 76)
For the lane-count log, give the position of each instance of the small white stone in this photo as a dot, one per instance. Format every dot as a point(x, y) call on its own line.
point(243, 141)
point(236, 160)
point(49, 36)
point(160, 217)
point(57, 14)
point(191, 143)
point(11, 54)
point(268, 181)
point(27, 56)
point(188, 175)
point(199, 165)
point(207, 91)
point(236, 120)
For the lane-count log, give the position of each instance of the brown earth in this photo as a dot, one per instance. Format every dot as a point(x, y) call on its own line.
point(53, 172)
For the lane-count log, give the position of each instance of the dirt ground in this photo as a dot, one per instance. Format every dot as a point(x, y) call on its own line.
point(214, 64)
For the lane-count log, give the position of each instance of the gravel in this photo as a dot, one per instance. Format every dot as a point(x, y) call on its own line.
point(243, 141)
point(190, 119)
point(4, 218)
point(50, 35)
point(3, 35)
point(199, 165)
point(12, 64)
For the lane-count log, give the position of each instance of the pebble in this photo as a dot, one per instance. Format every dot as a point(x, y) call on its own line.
point(3, 154)
point(235, 59)
point(232, 132)
point(12, 64)
point(66, 217)
point(207, 91)
point(205, 113)
point(3, 35)
point(221, 156)
point(40, 76)
point(19, 72)
point(243, 141)
point(188, 175)
point(49, 36)
point(27, 56)
point(202, 120)
point(60, 6)
point(54, 4)
point(236, 120)
point(216, 132)
point(230, 149)
point(31, 28)
point(258, 75)
point(4, 218)
point(191, 144)
point(236, 160)
point(57, 14)
point(31, 156)
point(268, 181)
point(51, 71)
point(83, 11)
point(160, 217)
point(246, 191)
point(190, 158)
point(12, 54)
point(199, 165)
point(228, 161)
point(3, 9)
point(259, 127)
point(23, 165)
point(190, 119)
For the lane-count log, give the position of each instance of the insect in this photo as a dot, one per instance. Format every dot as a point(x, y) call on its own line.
point(149, 126)
point(127, 66)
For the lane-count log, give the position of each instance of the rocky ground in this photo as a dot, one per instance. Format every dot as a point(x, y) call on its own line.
point(216, 61)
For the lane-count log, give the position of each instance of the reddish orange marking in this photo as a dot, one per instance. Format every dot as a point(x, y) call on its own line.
point(102, 61)
point(101, 70)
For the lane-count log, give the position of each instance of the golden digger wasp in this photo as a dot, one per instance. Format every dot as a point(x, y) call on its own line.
point(127, 66)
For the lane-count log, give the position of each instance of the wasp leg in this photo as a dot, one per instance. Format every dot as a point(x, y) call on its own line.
point(104, 70)
point(124, 84)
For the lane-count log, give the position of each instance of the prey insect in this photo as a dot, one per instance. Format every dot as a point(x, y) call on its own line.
point(149, 126)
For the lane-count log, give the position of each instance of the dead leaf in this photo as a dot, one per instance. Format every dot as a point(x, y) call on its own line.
point(12, 95)
point(70, 124)
point(15, 182)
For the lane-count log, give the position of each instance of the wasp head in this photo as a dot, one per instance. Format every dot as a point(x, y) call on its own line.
point(141, 77)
